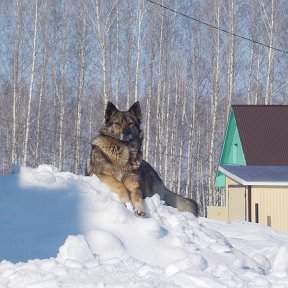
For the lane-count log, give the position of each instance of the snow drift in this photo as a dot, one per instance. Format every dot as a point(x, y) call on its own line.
point(63, 230)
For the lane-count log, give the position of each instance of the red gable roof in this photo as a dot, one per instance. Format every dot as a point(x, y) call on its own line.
point(263, 131)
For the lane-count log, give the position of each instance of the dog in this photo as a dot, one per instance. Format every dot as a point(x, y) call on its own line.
point(116, 159)
point(116, 154)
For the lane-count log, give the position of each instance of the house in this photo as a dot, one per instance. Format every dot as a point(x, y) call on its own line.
point(253, 167)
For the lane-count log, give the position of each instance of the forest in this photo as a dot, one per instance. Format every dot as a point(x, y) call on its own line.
point(185, 61)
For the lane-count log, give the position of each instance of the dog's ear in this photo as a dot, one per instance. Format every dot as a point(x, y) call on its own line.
point(136, 111)
point(110, 110)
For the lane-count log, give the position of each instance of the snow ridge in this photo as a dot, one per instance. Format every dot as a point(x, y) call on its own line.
point(64, 230)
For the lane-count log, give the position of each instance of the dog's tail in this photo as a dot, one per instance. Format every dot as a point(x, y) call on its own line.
point(151, 183)
point(181, 203)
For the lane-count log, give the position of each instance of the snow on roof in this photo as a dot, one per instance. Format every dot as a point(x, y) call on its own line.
point(257, 175)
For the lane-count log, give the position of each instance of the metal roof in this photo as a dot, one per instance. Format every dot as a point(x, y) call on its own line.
point(257, 175)
point(263, 131)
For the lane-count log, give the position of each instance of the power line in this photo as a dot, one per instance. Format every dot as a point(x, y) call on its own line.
point(84, 139)
point(218, 28)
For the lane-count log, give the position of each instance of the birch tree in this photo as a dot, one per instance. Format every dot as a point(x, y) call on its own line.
point(62, 89)
point(192, 123)
point(80, 90)
point(158, 101)
point(42, 85)
point(231, 52)
point(16, 48)
point(213, 103)
point(28, 117)
point(271, 24)
point(140, 15)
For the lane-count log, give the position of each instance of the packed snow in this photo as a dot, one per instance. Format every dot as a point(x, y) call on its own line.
point(63, 230)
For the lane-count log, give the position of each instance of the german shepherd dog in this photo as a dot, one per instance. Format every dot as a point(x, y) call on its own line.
point(116, 159)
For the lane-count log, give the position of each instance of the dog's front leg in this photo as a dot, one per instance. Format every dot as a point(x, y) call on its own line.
point(132, 184)
point(116, 186)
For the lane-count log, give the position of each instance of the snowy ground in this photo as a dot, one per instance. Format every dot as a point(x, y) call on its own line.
point(84, 237)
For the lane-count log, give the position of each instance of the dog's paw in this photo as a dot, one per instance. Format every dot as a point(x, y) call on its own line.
point(139, 210)
point(139, 213)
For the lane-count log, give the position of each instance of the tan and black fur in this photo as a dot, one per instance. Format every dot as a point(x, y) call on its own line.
point(151, 183)
point(116, 158)
point(116, 154)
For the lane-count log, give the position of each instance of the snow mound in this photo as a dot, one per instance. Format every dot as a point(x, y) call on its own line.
point(64, 230)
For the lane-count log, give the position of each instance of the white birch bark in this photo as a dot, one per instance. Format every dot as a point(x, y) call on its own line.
point(148, 114)
point(191, 140)
point(158, 99)
point(268, 92)
point(199, 172)
point(82, 62)
point(138, 49)
point(117, 55)
point(62, 94)
point(213, 108)
point(251, 65)
point(257, 92)
point(28, 118)
point(41, 92)
point(183, 115)
point(250, 91)
point(167, 162)
point(173, 142)
point(231, 56)
point(101, 35)
point(15, 82)
point(128, 59)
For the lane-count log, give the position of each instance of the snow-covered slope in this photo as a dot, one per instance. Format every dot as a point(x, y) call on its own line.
point(84, 237)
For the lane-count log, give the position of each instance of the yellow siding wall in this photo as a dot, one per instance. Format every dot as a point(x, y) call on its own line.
point(221, 212)
point(217, 212)
point(230, 182)
point(273, 201)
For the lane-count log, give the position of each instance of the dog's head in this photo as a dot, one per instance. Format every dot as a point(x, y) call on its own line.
point(123, 125)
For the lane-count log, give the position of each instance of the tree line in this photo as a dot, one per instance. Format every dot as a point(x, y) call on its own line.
point(62, 60)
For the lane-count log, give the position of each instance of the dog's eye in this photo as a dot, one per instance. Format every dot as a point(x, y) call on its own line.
point(117, 124)
point(130, 124)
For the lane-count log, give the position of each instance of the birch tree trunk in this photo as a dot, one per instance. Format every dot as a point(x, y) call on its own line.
point(213, 108)
point(140, 15)
point(149, 107)
point(231, 56)
point(128, 59)
point(173, 142)
point(251, 65)
point(191, 140)
point(183, 115)
point(199, 172)
point(167, 156)
point(158, 101)
point(27, 128)
point(268, 92)
point(117, 55)
point(250, 91)
point(42, 89)
point(62, 92)
point(100, 32)
point(257, 92)
point(15, 82)
point(76, 165)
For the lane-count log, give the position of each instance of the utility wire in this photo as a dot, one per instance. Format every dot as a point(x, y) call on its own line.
point(218, 28)
point(84, 139)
